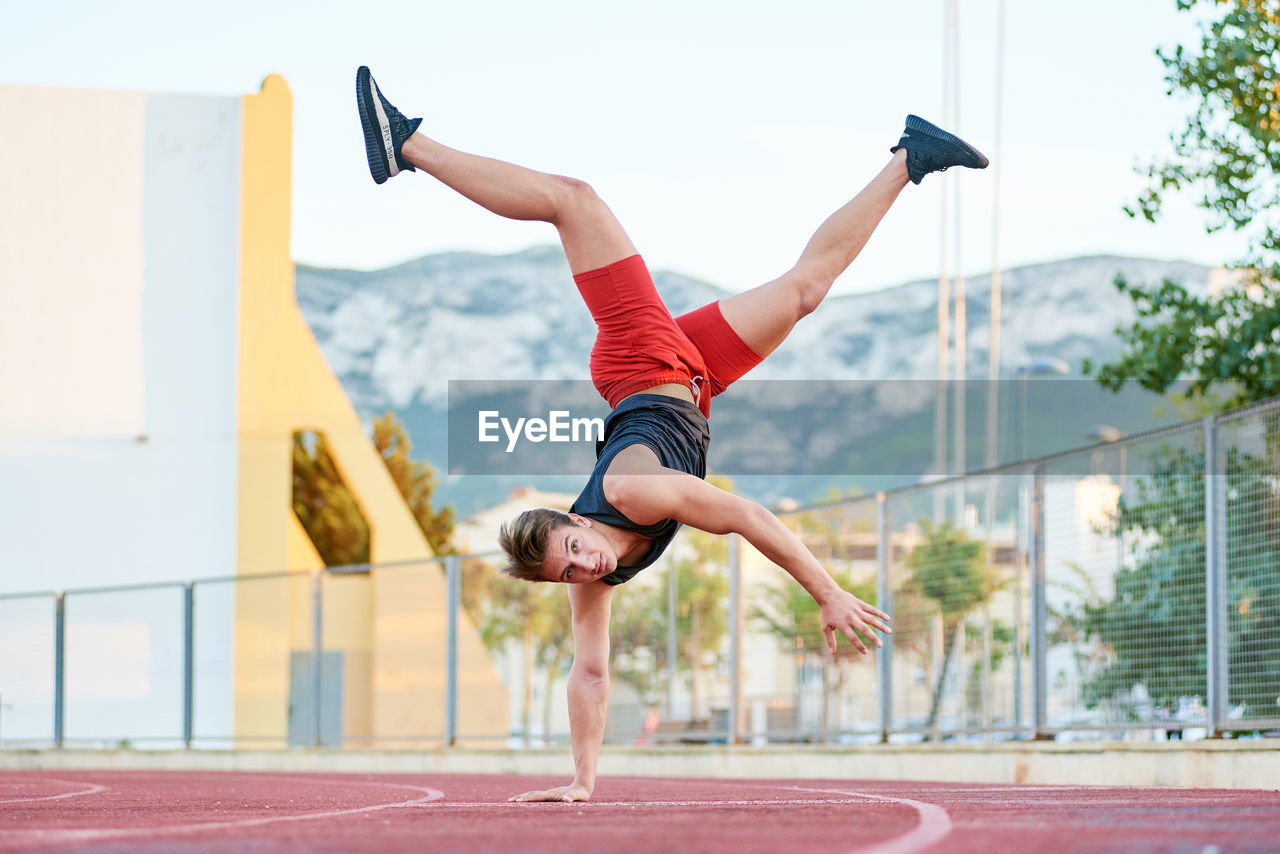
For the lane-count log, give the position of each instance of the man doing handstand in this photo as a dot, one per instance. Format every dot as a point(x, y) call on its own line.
point(659, 374)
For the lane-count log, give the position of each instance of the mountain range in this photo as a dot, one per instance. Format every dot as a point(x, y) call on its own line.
point(396, 337)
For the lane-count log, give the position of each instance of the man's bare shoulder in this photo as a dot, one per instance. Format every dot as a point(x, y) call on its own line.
point(640, 487)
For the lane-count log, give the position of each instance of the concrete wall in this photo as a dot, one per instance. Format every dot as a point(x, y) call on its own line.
point(118, 314)
point(1212, 764)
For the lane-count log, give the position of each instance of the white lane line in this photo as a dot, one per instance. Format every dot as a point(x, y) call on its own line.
point(642, 804)
point(934, 823)
point(93, 787)
point(86, 834)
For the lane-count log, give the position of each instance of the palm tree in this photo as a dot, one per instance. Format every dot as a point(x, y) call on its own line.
point(952, 571)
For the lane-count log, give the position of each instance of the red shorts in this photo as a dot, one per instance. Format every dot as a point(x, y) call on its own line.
point(640, 345)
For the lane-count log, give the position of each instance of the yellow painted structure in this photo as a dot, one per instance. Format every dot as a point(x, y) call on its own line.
point(389, 624)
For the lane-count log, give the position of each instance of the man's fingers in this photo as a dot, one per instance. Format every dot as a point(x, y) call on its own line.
point(856, 641)
point(877, 624)
point(830, 632)
point(864, 630)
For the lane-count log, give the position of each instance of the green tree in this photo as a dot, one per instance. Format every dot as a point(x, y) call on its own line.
point(950, 571)
point(326, 508)
point(837, 532)
point(702, 618)
point(1152, 629)
point(415, 480)
point(791, 615)
point(641, 616)
point(638, 635)
point(1228, 155)
point(1228, 342)
point(329, 511)
point(537, 617)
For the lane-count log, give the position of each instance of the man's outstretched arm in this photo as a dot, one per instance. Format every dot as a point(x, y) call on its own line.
point(638, 486)
point(588, 690)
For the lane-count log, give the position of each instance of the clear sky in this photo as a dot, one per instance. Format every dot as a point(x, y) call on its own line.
point(720, 131)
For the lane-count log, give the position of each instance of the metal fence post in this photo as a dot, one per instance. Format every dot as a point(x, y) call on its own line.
point(884, 601)
point(1215, 582)
point(317, 643)
point(1022, 565)
point(673, 590)
point(735, 637)
point(59, 666)
point(453, 581)
point(188, 661)
point(1039, 664)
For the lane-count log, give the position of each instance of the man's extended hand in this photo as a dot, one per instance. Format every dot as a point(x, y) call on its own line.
point(851, 616)
point(571, 792)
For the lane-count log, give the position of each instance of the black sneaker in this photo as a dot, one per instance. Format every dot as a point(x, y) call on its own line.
point(932, 149)
point(385, 129)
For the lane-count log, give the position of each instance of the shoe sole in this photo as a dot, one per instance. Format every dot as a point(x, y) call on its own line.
point(378, 147)
point(919, 125)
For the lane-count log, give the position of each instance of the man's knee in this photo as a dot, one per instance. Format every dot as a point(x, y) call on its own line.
point(810, 288)
point(574, 197)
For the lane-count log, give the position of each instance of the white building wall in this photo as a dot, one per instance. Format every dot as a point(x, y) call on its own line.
point(119, 280)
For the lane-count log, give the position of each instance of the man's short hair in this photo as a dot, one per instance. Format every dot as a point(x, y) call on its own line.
point(524, 539)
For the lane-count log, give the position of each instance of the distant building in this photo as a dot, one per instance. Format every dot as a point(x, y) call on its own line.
point(478, 533)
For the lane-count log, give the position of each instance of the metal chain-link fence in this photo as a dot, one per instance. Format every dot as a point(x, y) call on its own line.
point(1126, 590)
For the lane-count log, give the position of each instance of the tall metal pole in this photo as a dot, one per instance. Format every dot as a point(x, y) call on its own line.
point(993, 358)
point(317, 644)
point(884, 601)
point(735, 637)
point(993, 349)
point(453, 581)
point(673, 591)
point(59, 667)
point(188, 661)
point(1039, 610)
point(1020, 592)
point(944, 307)
point(961, 321)
point(1215, 581)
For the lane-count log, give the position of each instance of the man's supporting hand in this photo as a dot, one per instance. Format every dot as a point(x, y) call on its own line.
point(572, 792)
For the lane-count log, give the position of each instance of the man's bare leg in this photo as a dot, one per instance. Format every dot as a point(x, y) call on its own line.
point(591, 235)
point(764, 316)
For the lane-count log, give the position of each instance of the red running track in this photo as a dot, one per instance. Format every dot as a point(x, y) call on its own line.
point(107, 812)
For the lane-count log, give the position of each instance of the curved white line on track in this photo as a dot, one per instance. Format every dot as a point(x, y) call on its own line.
point(86, 834)
point(93, 788)
point(934, 823)
point(784, 802)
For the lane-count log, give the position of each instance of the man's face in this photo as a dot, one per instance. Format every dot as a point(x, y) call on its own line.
point(578, 553)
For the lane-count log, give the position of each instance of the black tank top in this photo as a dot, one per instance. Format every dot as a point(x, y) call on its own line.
point(676, 431)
